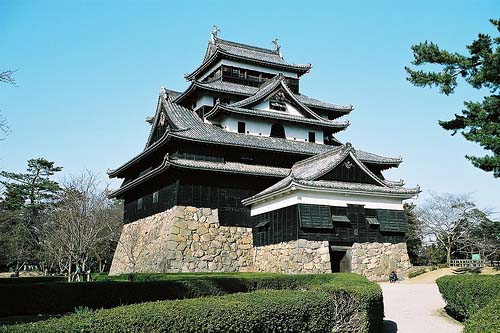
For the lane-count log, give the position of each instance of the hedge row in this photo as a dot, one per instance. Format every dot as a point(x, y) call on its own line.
point(466, 294)
point(486, 320)
point(260, 311)
point(33, 279)
point(316, 303)
point(58, 298)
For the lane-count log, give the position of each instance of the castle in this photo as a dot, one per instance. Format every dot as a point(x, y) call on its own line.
point(242, 172)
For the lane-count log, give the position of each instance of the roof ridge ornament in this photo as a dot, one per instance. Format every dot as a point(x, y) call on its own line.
point(277, 47)
point(213, 34)
point(164, 93)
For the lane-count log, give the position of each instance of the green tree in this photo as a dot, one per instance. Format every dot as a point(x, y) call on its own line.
point(480, 121)
point(25, 201)
point(414, 235)
point(483, 238)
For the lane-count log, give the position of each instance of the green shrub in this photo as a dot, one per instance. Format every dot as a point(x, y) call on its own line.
point(418, 272)
point(33, 279)
point(465, 294)
point(320, 303)
point(59, 298)
point(260, 311)
point(486, 320)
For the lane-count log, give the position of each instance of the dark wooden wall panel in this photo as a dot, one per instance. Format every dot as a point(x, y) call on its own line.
point(284, 226)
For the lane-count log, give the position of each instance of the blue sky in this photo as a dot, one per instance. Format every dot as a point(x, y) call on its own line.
point(89, 73)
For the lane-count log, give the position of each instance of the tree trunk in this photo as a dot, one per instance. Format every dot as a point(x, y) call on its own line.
point(69, 271)
point(448, 254)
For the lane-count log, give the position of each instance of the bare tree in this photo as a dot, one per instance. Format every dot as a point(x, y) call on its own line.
point(6, 77)
point(447, 219)
point(81, 222)
point(483, 238)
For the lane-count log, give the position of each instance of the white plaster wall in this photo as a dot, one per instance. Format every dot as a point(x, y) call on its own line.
point(290, 109)
point(263, 128)
point(327, 199)
point(204, 100)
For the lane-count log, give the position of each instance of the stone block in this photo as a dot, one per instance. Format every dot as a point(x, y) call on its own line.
point(246, 240)
point(174, 230)
point(172, 245)
point(302, 243)
point(192, 225)
point(323, 250)
point(206, 237)
point(202, 230)
point(178, 238)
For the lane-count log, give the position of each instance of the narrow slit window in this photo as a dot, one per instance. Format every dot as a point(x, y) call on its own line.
point(155, 197)
point(241, 127)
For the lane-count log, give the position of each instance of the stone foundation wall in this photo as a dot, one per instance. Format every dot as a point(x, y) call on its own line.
point(377, 260)
point(190, 239)
point(182, 239)
point(299, 256)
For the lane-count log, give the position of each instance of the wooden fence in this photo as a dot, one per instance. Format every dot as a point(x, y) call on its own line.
point(474, 263)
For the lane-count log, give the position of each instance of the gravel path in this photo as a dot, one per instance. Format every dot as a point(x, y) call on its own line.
point(416, 308)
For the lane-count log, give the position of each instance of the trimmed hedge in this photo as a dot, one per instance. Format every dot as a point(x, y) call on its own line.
point(319, 303)
point(465, 294)
point(416, 273)
point(486, 320)
point(33, 279)
point(59, 298)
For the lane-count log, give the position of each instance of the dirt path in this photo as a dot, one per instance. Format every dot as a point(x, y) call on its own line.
point(415, 305)
point(416, 308)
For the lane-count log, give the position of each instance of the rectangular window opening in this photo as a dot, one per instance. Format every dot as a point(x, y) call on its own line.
point(155, 197)
point(241, 127)
point(312, 136)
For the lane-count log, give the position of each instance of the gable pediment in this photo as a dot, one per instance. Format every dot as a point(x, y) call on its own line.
point(274, 93)
point(349, 171)
point(340, 165)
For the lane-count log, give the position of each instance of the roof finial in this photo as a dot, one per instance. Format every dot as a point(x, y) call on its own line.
point(213, 34)
point(277, 47)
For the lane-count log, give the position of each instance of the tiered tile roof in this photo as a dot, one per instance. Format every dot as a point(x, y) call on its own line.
point(218, 85)
point(188, 126)
point(306, 174)
point(323, 123)
point(219, 48)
